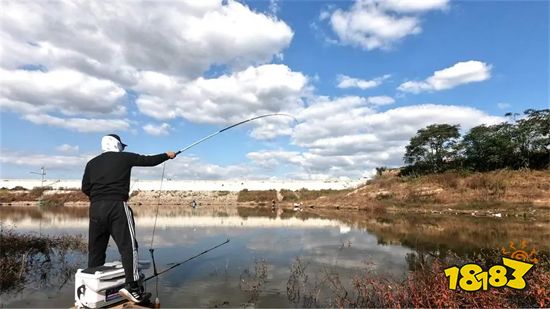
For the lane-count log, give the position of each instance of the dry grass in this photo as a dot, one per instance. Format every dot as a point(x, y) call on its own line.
point(252, 279)
point(59, 199)
point(26, 258)
point(424, 287)
point(451, 188)
point(257, 195)
point(8, 196)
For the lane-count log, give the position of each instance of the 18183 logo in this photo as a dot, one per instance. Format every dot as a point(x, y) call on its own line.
point(472, 277)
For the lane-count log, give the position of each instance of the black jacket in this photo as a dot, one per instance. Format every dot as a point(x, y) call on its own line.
point(107, 176)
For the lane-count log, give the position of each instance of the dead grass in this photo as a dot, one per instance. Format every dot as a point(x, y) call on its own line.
point(424, 287)
point(26, 258)
point(452, 187)
point(8, 196)
point(59, 199)
point(257, 196)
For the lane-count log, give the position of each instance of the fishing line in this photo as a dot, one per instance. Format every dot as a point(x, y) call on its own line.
point(151, 249)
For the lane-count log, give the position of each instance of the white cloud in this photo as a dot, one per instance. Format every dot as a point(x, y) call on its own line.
point(85, 125)
point(227, 99)
point(65, 162)
point(271, 159)
point(344, 137)
point(459, 74)
point(66, 148)
point(67, 91)
point(121, 38)
point(381, 100)
point(72, 166)
point(190, 167)
point(372, 24)
point(87, 53)
point(163, 129)
point(345, 81)
point(408, 6)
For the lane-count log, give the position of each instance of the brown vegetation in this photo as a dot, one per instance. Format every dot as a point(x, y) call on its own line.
point(257, 195)
point(25, 258)
point(425, 286)
point(45, 195)
point(499, 188)
point(59, 199)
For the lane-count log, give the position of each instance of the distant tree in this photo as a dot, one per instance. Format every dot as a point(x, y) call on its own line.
point(432, 149)
point(525, 142)
point(487, 148)
point(533, 138)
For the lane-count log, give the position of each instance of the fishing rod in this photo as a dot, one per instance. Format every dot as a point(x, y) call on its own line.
point(232, 126)
point(183, 262)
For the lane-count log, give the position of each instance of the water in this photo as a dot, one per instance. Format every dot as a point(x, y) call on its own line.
point(254, 268)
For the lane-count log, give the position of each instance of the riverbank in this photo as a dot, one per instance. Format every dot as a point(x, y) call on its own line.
point(498, 193)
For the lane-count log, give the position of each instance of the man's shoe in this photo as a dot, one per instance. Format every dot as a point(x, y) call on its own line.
point(133, 292)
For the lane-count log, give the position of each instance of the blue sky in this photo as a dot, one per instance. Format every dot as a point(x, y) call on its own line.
point(361, 78)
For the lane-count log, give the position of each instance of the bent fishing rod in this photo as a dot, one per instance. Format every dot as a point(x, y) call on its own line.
point(151, 249)
point(232, 126)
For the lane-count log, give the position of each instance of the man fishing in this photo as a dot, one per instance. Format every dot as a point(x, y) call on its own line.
point(106, 182)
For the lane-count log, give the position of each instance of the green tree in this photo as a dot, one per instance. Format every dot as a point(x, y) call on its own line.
point(432, 149)
point(533, 138)
point(487, 148)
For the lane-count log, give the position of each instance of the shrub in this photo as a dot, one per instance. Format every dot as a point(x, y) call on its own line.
point(288, 195)
point(27, 257)
point(256, 195)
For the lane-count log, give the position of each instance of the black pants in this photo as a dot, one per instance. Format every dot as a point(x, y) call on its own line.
point(113, 218)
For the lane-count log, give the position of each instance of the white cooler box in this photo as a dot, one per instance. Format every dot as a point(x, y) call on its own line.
point(98, 287)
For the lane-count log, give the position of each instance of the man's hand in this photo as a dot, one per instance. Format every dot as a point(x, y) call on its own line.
point(171, 154)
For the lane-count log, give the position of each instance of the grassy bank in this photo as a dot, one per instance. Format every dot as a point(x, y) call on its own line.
point(490, 190)
point(461, 191)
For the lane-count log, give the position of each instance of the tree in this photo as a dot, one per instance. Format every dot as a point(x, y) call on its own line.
point(487, 148)
point(432, 149)
point(534, 138)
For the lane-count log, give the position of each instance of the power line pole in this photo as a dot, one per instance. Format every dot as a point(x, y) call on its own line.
point(43, 174)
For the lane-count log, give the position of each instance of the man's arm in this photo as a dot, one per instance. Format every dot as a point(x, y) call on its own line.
point(86, 185)
point(141, 160)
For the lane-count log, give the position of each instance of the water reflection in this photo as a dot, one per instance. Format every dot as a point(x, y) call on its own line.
point(339, 242)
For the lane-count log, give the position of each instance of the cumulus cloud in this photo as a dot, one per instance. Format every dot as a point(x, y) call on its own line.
point(77, 58)
point(190, 167)
point(66, 148)
point(64, 162)
point(85, 125)
point(181, 38)
point(226, 99)
point(409, 6)
point(381, 100)
point(67, 91)
point(372, 24)
point(157, 130)
point(346, 137)
point(459, 74)
point(345, 81)
point(504, 105)
point(185, 167)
